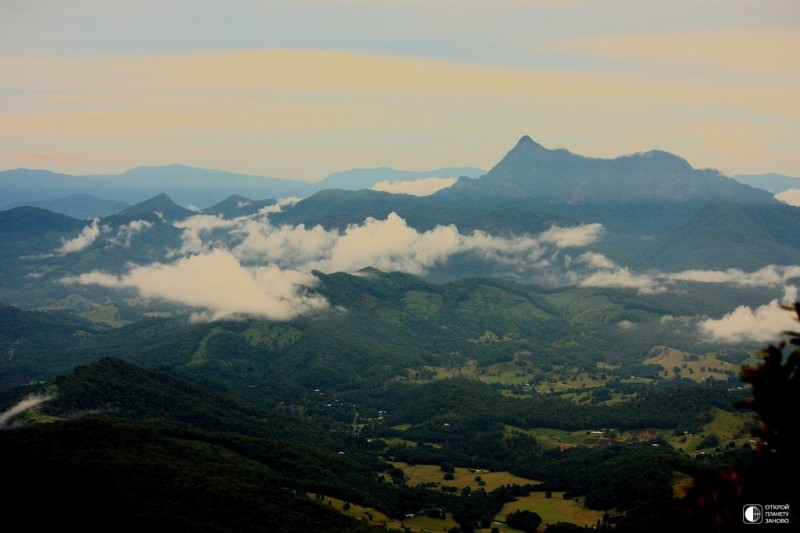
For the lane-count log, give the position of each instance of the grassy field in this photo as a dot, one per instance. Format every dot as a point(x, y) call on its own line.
point(424, 524)
point(702, 367)
point(367, 514)
point(462, 477)
point(558, 438)
point(725, 425)
point(552, 510)
point(553, 438)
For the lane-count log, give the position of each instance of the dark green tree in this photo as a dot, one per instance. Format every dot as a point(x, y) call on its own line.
point(771, 473)
point(524, 520)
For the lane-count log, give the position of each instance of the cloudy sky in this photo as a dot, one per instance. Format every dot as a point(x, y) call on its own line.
point(304, 88)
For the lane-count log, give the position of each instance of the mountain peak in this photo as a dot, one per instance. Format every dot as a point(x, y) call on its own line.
point(531, 172)
point(525, 142)
point(160, 206)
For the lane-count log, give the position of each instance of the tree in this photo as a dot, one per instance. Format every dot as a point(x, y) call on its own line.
point(524, 520)
point(710, 441)
point(762, 475)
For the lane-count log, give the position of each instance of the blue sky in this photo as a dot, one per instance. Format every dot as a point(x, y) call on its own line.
point(304, 88)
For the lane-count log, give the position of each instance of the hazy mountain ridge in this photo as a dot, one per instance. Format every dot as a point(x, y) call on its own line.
point(775, 183)
point(189, 185)
point(531, 173)
point(81, 206)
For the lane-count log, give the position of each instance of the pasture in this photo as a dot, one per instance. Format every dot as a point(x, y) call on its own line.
point(554, 509)
point(462, 477)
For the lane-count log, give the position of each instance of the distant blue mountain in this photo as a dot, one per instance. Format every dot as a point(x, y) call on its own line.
point(203, 187)
point(774, 183)
point(532, 173)
point(187, 186)
point(81, 206)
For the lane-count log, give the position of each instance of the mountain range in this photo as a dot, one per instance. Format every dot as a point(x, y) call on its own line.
point(649, 212)
point(561, 333)
point(775, 183)
point(529, 173)
point(186, 185)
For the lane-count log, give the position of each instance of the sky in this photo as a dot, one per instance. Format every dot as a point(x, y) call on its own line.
point(305, 88)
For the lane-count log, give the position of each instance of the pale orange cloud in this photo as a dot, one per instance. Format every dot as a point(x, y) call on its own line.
point(741, 53)
point(305, 113)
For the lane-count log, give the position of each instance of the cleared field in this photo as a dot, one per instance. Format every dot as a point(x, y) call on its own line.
point(424, 523)
point(555, 509)
point(697, 368)
point(557, 438)
point(725, 425)
point(456, 369)
point(462, 477)
point(397, 441)
point(367, 514)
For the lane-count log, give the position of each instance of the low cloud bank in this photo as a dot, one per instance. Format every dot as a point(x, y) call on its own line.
point(607, 274)
point(217, 282)
point(623, 278)
point(247, 266)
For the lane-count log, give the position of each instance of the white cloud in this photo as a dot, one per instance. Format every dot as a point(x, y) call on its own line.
point(420, 187)
point(216, 281)
point(623, 278)
point(127, 231)
point(391, 245)
point(193, 229)
point(763, 324)
point(287, 246)
point(29, 402)
point(596, 261)
point(576, 236)
point(87, 236)
point(278, 206)
point(611, 275)
point(791, 197)
point(769, 276)
point(256, 268)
